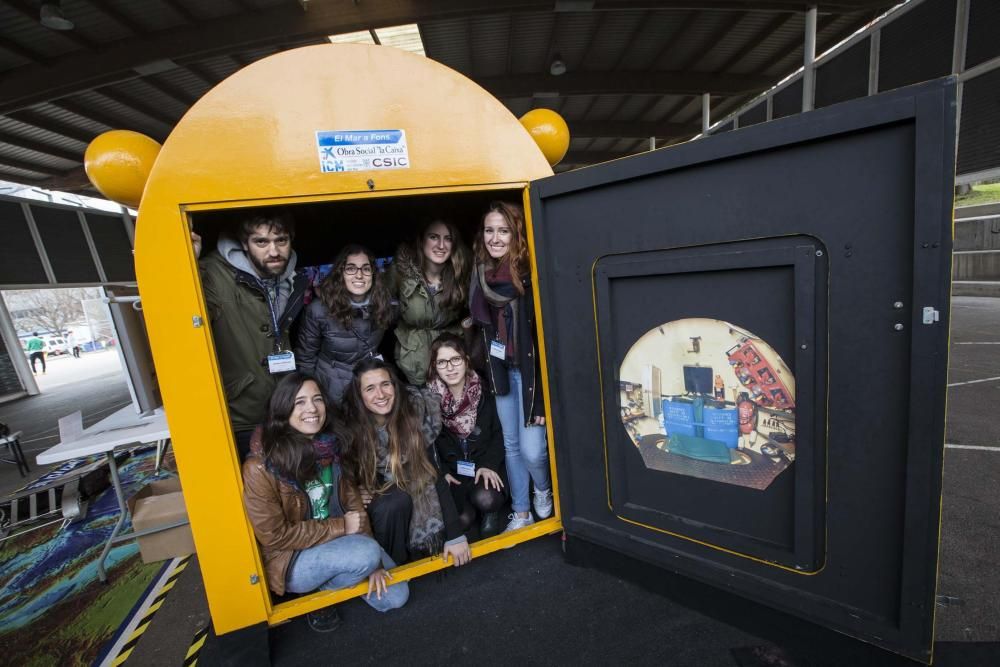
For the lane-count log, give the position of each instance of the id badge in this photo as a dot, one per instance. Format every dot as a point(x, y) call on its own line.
point(498, 350)
point(467, 468)
point(282, 362)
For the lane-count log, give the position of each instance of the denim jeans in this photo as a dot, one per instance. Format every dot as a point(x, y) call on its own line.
point(341, 563)
point(527, 452)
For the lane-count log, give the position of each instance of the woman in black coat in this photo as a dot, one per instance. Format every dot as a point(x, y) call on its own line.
point(470, 446)
point(345, 324)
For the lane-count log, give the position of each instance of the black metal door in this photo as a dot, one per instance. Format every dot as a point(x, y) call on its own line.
point(746, 348)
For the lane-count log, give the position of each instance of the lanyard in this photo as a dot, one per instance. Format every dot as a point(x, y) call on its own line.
point(464, 442)
point(275, 327)
point(361, 339)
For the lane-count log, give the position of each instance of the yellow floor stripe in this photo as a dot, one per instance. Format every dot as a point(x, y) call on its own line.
point(196, 647)
point(139, 630)
point(154, 607)
point(167, 586)
point(122, 657)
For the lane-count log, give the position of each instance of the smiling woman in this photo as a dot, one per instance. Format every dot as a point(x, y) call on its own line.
point(346, 323)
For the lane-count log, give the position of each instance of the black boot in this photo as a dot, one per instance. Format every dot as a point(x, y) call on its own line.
point(323, 620)
point(490, 525)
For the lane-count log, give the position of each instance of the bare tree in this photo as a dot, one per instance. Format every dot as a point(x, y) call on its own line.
point(47, 311)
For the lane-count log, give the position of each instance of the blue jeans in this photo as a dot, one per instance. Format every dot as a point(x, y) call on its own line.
point(341, 563)
point(527, 452)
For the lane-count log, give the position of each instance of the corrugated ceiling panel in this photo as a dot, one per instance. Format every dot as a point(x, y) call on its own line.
point(44, 161)
point(613, 39)
point(41, 135)
point(141, 90)
point(529, 48)
point(845, 76)
point(914, 48)
point(185, 80)
point(576, 106)
point(65, 245)
point(60, 115)
point(633, 106)
point(446, 42)
point(602, 144)
point(984, 42)
point(154, 12)
point(94, 25)
point(221, 67)
point(572, 37)
point(519, 106)
point(604, 106)
point(791, 33)
point(32, 35)
point(21, 265)
point(658, 32)
point(489, 36)
point(130, 118)
point(663, 106)
point(979, 141)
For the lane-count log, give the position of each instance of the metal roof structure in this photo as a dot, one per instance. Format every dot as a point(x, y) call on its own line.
point(633, 69)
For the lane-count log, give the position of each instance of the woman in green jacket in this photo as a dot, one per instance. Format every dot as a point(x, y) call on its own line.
point(430, 278)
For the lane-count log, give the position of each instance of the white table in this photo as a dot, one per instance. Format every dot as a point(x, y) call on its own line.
point(119, 429)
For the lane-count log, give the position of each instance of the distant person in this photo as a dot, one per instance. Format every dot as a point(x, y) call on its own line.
point(253, 294)
point(36, 352)
point(346, 322)
point(76, 351)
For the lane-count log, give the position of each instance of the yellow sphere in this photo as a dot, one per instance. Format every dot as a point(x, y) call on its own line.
point(118, 163)
point(549, 131)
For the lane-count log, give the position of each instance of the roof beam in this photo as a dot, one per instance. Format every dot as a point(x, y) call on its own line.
point(624, 83)
point(27, 166)
point(74, 180)
point(33, 84)
point(31, 13)
point(118, 17)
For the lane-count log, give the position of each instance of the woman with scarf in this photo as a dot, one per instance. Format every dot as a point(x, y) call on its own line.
point(470, 446)
point(346, 323)
point(389, 456)
point(309, 520)
point(430, 278)
point(501, 304)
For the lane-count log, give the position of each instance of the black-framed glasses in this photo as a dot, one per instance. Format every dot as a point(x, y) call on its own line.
point(365, 270)
point(454, 362)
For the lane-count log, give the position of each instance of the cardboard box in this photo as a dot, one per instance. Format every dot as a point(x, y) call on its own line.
point(161, 503)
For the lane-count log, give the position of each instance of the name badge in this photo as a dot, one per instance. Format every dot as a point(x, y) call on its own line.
point(282, 362)
point(467, 468)
point(498, 350)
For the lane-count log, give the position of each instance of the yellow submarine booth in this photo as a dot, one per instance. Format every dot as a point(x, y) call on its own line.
point(727, 328)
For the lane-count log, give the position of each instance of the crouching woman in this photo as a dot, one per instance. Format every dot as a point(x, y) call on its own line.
point(309, 520)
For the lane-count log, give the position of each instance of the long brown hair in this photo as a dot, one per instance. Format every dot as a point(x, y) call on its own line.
point(517, 252)
point(455, 273)
point(334, 295)
point(408, 462)
point(289, 452)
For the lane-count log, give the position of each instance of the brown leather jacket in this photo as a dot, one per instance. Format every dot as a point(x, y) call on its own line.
point(280, 515)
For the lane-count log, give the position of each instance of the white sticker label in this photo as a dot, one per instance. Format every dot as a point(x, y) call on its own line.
point(362, 150)
point(282, 362)
point(467, 468)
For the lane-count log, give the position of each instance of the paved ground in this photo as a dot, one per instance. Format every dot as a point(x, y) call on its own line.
point(970, 612)
point(93, 384)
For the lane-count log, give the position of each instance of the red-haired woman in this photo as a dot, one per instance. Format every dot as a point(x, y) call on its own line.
point(501, 304)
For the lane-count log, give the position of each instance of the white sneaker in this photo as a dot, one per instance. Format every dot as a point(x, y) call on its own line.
point(517, 522)
point(542, 502)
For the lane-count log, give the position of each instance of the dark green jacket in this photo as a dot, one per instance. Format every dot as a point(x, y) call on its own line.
point(421, 318)
point(239, 315)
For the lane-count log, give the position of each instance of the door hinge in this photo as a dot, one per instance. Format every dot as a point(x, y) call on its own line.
point(931, 315)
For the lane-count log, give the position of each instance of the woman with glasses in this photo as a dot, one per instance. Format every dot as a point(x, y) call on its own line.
point(389, 456)
point(501, 304)
point(430, 278)
point(310, 520)
point(345, 324)
point(470, 445)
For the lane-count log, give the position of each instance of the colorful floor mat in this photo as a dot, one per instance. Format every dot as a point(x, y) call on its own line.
point(53, 608)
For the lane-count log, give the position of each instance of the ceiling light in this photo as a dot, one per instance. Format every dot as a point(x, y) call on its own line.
point(51, 16)
point(558, 66)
